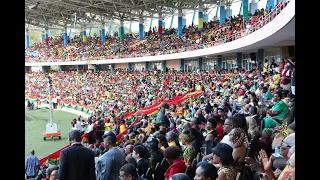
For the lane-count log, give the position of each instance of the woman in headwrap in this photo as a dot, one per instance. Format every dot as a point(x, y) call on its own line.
point(237, 138)
point(189, 152)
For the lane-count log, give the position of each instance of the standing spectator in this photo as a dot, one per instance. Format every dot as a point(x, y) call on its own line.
point(293, 77)
point(156, 153)
point(109, 164)
point(128, 151)
point(142, 165)
point(76, 161)
point(265, 66)
point(129, 172)
point(32, 165)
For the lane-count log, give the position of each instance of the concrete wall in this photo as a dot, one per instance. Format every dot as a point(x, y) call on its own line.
point(285, 52)
point(173, 64)
point(121, 65)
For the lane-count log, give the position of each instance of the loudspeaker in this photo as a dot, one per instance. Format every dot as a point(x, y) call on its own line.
point(253, 56)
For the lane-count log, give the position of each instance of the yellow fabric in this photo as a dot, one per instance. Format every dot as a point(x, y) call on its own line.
point(122, 128)
point(276, 79)
point(108, 126)
point(265, 67)
point(284, 174)
point(172, 144)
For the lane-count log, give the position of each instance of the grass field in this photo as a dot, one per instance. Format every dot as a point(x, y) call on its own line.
point(35, 124)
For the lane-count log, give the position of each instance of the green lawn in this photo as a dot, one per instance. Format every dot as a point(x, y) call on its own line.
point(35, 126)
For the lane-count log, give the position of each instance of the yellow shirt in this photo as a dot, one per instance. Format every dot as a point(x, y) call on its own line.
point(163, 148)
point(276, 79)
point(122, 128)
point(265, 67)
point(172, 143)
point(108, 126)
point(147, 129)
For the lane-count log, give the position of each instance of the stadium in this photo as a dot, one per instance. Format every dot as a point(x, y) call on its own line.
point(160, 89)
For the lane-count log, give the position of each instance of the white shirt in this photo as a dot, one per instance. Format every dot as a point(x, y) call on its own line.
point(226, 140)
point(78, 125)
point(89, 128)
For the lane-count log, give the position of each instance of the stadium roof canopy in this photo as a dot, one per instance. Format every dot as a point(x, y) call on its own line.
point(63, 13)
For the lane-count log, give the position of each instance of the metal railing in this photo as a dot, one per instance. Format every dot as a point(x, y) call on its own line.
point(262, 21)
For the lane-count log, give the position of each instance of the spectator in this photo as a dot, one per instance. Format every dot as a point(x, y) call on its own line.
point(222, 157)
point(76, 161)
point(277, 113)
point(109, 164)
point(229, 124)
point(139, 153)
point(206, 171)
point(172, 154)
point(53, 175)
point(156, 153)
point(189, 153)
point(128, 152)
point(32, 165)
point(237, 138)
point(180, 176)
point(129, 172)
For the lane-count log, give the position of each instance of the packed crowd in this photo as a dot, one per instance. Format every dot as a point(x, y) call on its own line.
point(192, 39)
point(243, 125)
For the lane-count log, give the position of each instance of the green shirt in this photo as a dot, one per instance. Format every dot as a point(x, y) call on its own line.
point(282, 108)
point(267, 96)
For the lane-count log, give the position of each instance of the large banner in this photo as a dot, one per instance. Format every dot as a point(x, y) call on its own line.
point(150, 111)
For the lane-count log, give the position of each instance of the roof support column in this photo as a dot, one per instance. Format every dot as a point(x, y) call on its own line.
point(103, 33)
point(141, 28)
point(160, 24)
point(222, 13)
point(121, 30)
point(47, 36)
point(200, 16)
point(84, 34)
point(245, 4)
point(65, 37)
point(228, 12)
point(27, 39)
point(180, 22)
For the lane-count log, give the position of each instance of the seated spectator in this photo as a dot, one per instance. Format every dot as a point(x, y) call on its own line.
point(180, 176)
point(172, 154)
point(206, 171)
point(189, 153)
point(222, 157)
point(237, 138)
point(277, 113)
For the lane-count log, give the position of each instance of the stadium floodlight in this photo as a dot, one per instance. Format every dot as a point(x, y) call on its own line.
point(51, 128)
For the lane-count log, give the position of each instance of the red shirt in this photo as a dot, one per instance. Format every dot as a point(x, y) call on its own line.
point(178, 166)
point(219, 131)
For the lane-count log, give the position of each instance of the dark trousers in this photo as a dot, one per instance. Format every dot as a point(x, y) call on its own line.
point(29, 177)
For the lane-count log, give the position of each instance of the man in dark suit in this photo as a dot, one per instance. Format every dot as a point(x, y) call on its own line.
point(109, 164)
point(139, 153)
point(76, 161)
